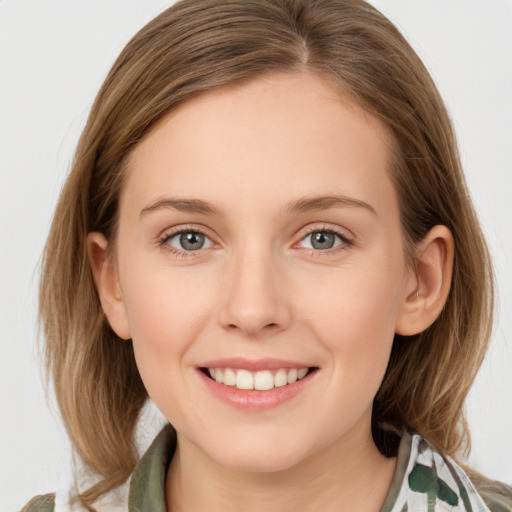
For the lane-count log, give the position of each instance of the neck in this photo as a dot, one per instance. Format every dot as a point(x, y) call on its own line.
point(358, 478)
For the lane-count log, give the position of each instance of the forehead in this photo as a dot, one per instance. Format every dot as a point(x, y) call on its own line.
point(276, 137)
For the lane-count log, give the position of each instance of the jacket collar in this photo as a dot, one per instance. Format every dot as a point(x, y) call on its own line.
point(147, 487)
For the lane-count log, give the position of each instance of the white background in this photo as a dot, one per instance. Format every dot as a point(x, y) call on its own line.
point(53, 58)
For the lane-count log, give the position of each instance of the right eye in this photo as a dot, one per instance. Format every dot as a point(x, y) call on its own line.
point(188, 241)
point(322, 240)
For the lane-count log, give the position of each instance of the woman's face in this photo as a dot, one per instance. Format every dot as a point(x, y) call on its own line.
point(259, 238)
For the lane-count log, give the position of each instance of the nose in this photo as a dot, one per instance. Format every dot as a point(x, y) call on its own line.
point(255, 300)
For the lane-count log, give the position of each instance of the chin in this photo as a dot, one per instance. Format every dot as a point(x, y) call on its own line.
point(256, 451)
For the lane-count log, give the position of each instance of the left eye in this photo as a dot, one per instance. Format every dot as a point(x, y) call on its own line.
point(321, 240)
point(189, 241)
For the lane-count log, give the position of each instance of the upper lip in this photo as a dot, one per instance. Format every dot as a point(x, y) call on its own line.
point(254, 364)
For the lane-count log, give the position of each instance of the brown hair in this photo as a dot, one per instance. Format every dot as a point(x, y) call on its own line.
point(196, 46)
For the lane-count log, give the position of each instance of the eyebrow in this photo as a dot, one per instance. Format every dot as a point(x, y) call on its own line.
point(307, 204)
point(182, 205)
point(301, 205)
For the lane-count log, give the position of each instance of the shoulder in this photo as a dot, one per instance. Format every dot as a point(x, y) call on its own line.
point(43, 503)
point(426, 477)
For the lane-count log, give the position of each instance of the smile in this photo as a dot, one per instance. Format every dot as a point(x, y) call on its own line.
point(256, 385)
point(263, 380)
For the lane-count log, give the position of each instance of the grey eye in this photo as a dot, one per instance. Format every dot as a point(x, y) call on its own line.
point(192, 241)
point(189, 241)
point(321, 240)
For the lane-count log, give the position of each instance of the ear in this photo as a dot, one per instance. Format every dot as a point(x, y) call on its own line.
point(107, 284)
point(429, 283)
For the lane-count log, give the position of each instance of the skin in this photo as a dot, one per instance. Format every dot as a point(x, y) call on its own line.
point(259, 289)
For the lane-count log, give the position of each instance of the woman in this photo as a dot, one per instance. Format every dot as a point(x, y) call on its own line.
point(267, 230)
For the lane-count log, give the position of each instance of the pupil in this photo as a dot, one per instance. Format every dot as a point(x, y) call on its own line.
point(322, 240)
point(192, 241)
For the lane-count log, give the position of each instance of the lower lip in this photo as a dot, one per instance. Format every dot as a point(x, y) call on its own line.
point(253, 399)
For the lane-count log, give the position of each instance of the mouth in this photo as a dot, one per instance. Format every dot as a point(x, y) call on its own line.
point(261, 380)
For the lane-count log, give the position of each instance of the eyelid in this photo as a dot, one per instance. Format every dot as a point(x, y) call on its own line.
point(207, 241)
point(170, 233)
point(182, 228)
point(346, 236)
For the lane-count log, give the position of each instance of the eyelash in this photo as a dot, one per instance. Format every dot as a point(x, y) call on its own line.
point(181, 253)
point(346, 242)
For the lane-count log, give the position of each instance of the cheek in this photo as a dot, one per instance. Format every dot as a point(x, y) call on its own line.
point(355, 318)
point(166, 313)
point(165, 320)
point(163, 301)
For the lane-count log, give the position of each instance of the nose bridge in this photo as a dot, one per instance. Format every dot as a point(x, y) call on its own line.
point(254, 298)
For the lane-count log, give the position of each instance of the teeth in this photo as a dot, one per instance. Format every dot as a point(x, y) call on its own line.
point(302, 373)
point(263, 381)
point(260, 381)
point(229, 377)
point(292, 376)
point(280, 378)
point(219, 375)
point(244, 380)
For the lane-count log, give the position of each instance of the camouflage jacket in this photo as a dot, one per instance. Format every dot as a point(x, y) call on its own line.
point(424, 481)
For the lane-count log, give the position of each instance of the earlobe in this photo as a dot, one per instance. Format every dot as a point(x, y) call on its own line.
point(429, 285)
point(107, 284)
